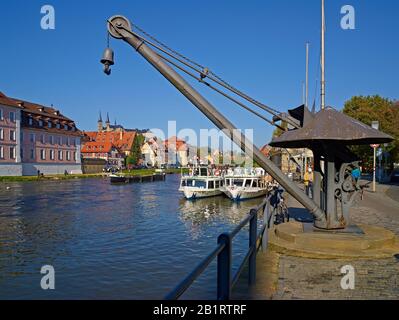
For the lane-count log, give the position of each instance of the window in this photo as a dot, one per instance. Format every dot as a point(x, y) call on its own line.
point(32, 137)
point(58, 126)
point(1, 134)
point(68, 155)
point(65, 127)
point(43, 139)
point(22, 153)
point(67, 141)
point(32, 154)
point(30, 121)
point(12, 116)
point(49, 124)
point(60, 155)
point(40, 123)
point(51, 154)
point(42, 154)
point(238, 182)
point(51, 140)
point(211, 185)
point(1, 152)
point(12, 153)
point(13, 136)
point(1, 114)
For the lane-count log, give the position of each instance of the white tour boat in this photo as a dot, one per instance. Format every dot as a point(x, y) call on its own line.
point(243, 184)
point(201, 182)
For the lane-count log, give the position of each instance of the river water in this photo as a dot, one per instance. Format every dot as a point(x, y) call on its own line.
point(135, 241)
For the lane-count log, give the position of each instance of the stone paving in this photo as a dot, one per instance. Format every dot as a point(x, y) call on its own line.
point(284, 277)
point(301, 278)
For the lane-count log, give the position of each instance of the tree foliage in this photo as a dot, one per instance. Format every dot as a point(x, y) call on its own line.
point(376, 108)
point(135, 154)
point(278, 132)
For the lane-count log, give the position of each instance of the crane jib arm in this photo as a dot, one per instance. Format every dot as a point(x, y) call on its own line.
point(119, 27)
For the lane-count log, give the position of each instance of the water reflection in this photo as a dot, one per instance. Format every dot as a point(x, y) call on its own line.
point(196, 215)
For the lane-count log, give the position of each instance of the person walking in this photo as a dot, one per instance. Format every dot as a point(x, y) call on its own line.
point(308, 182)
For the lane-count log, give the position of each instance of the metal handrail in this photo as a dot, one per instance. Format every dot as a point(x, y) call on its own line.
point(223, 254)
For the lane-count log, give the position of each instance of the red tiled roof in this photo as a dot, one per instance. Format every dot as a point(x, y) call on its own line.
point(97, 147)
point(123, 141)
point(4, 100)
point(33, 108)
point(40, 112)
point(175, 143)
point(266, 150)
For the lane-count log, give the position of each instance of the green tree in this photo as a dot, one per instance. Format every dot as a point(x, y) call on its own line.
point(278, 132)
point(375, 108)
point(135, 154)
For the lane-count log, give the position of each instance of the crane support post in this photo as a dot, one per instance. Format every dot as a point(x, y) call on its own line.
point(119, 28)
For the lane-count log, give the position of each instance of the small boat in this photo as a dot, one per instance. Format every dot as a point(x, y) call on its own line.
point(118, 179)
point(243, 184)
point(201, 182)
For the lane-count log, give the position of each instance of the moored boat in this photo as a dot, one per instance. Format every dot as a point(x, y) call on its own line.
point(118, 178)
point(243, 184)
point(201, 182)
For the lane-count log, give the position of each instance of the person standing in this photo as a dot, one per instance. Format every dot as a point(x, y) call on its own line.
point(308, 182)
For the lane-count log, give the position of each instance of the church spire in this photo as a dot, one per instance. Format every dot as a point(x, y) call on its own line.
point(100, 123)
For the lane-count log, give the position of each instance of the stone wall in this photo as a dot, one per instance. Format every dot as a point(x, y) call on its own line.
point(10, 170)
point(30, 169)
point(93, 165)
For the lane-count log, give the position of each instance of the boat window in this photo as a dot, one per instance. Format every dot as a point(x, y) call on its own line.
point(217, 184)
point(211, 185)
point(238, 182)
point(255, 184)
point(200, 184)
point(190, 183)
point(204, 172)
point(248, 183)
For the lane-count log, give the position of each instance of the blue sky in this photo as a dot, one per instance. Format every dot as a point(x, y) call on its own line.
point(257, 45)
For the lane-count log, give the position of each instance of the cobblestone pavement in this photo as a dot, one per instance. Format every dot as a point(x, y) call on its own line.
point(302, 278)
point(311, 279)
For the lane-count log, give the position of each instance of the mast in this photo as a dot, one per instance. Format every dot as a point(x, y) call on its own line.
point(307, 77)
point(323, 83)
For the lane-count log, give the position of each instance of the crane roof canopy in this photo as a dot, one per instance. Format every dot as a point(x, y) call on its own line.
point(330, 125)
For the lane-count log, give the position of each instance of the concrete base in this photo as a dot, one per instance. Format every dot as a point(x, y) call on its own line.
point(298, 239)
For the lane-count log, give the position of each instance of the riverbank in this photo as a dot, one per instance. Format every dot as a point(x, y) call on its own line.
point(139, 172)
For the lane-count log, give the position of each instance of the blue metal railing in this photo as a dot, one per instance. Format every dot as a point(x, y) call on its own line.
point(223, 254)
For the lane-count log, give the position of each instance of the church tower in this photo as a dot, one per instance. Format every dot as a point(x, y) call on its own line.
point(108, 123)
point(100, 123)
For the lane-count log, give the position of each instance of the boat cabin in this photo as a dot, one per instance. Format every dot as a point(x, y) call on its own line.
point(196, 182)
point(245, 182)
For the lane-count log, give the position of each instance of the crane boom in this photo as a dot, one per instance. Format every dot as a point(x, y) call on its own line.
point(119, 28)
